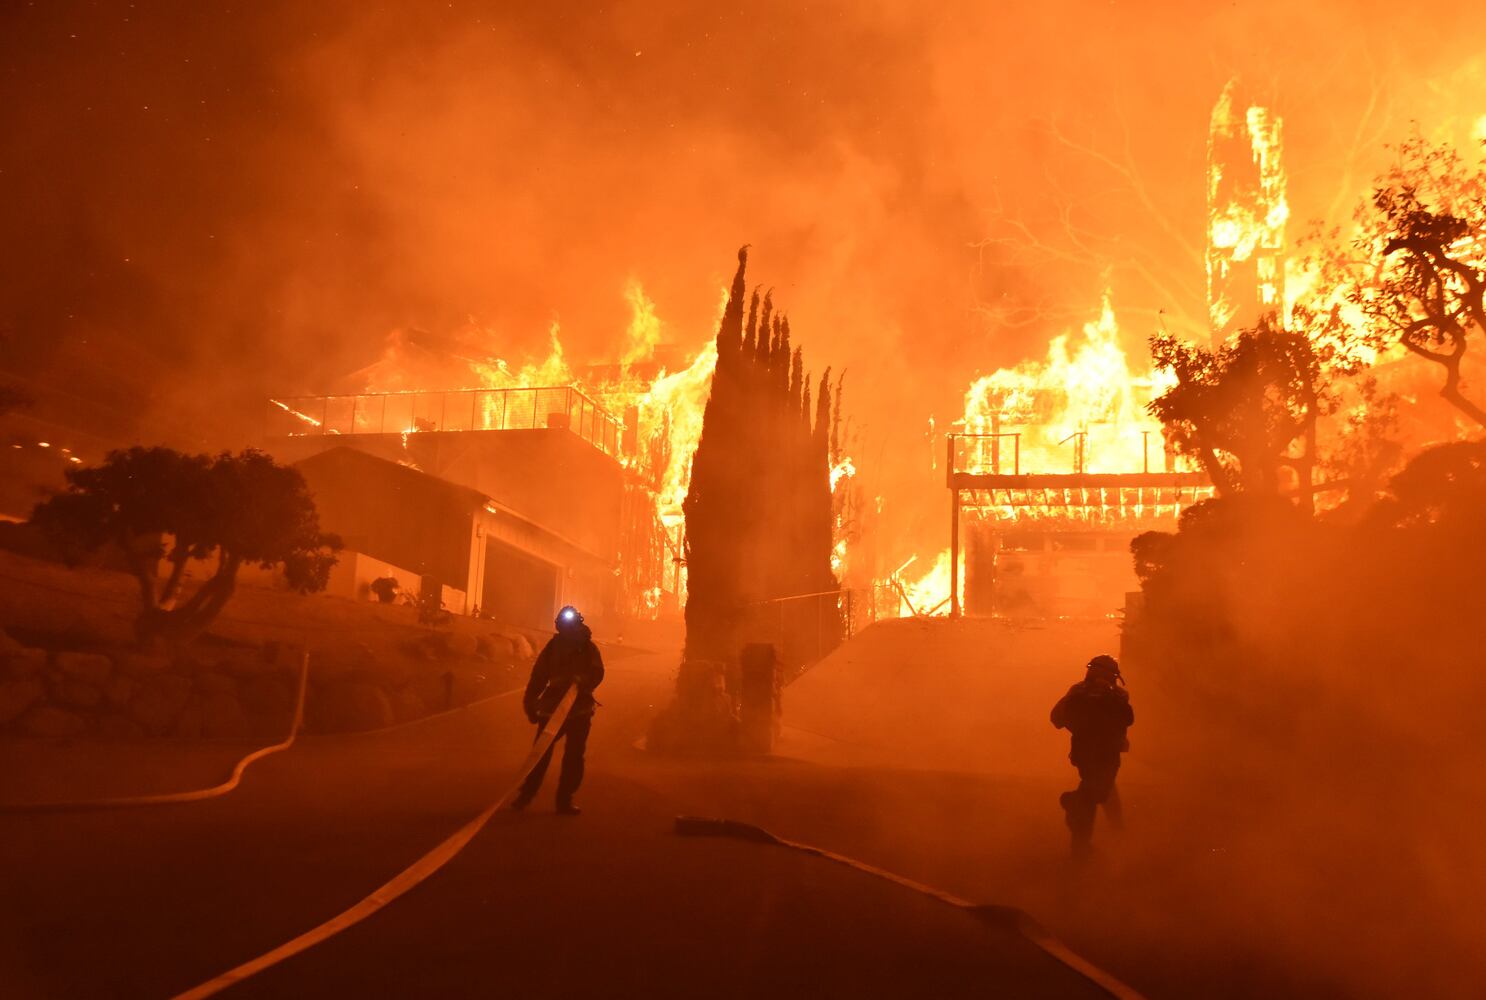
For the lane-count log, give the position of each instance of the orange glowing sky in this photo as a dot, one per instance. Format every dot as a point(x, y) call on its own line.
point(210, 204)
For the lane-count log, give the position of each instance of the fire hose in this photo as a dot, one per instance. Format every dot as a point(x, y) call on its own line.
point(194, 795)
point(419, 871)
point(1007, 917)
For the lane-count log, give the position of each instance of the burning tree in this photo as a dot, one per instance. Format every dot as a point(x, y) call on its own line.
point(239, 508)
point(759, 510)
point(1414, 272)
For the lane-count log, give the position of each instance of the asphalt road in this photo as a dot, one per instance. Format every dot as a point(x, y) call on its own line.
point(149, 902)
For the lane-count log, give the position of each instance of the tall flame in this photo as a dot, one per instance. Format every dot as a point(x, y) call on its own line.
point(1080, 409)
point(643, 333)
point(551, 371)
point(664, 407)
point(925, 592)
point(1248, 209)
point(672, 410)
point(667, 408)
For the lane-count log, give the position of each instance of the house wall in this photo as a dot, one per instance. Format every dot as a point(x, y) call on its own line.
point(551, 477)
point(351, 576)
point(1046, 574)
point(581, 579)
point(394, 514)
point(557, 499)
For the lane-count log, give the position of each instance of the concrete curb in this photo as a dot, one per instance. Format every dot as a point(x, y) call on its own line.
point(1004, 917)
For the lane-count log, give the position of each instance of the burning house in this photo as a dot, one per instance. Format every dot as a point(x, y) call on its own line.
point(1056, 543)
point(512, 501)
point(1056, 465)
point(1054, 468)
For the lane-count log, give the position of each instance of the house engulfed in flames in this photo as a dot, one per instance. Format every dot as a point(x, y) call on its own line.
point(1055, 467)
point(543, 486)
point(510, 501)
point(1056, 464)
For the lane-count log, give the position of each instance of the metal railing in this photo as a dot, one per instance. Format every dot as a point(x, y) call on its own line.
point(1000, 452)
point(558, 407)
point(807, 627)
point(980, 452)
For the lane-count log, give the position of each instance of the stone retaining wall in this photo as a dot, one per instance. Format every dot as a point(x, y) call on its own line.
point(249, 691)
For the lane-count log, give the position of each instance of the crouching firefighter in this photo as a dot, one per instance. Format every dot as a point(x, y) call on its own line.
point(569, 660)
point(1097, 712)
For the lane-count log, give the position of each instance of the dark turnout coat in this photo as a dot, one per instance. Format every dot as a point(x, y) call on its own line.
point(1097, 715)
point(569, 659)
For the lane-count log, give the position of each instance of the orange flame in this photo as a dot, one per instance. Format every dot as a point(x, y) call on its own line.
point(926, 592)
point(671, 415)
point(1080, 409)
point(1248, 209)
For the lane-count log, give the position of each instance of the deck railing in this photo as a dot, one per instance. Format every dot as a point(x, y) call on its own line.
point(561, 407)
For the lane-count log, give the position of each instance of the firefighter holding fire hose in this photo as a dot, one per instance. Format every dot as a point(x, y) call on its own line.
point(570, 659)
point(1097, 712)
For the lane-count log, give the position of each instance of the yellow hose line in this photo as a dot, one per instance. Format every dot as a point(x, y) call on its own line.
point(417, 872)
point(195, 795)
point(1008, 916)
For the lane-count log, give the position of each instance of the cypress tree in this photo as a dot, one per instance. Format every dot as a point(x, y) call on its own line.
point(758, 512)
point(712, 499)
point(762, 354)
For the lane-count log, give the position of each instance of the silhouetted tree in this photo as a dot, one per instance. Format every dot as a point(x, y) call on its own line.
point(713, 494)
point(758, 511)
point(1366, 447)
point(1239, 408)
point(1442, 489)
point(238, 509)
point(1415, 267)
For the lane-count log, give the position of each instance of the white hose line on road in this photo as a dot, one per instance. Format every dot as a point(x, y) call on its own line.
point(195, 795)
point(419, 871)
point(438, 716)
point(1008, 917)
